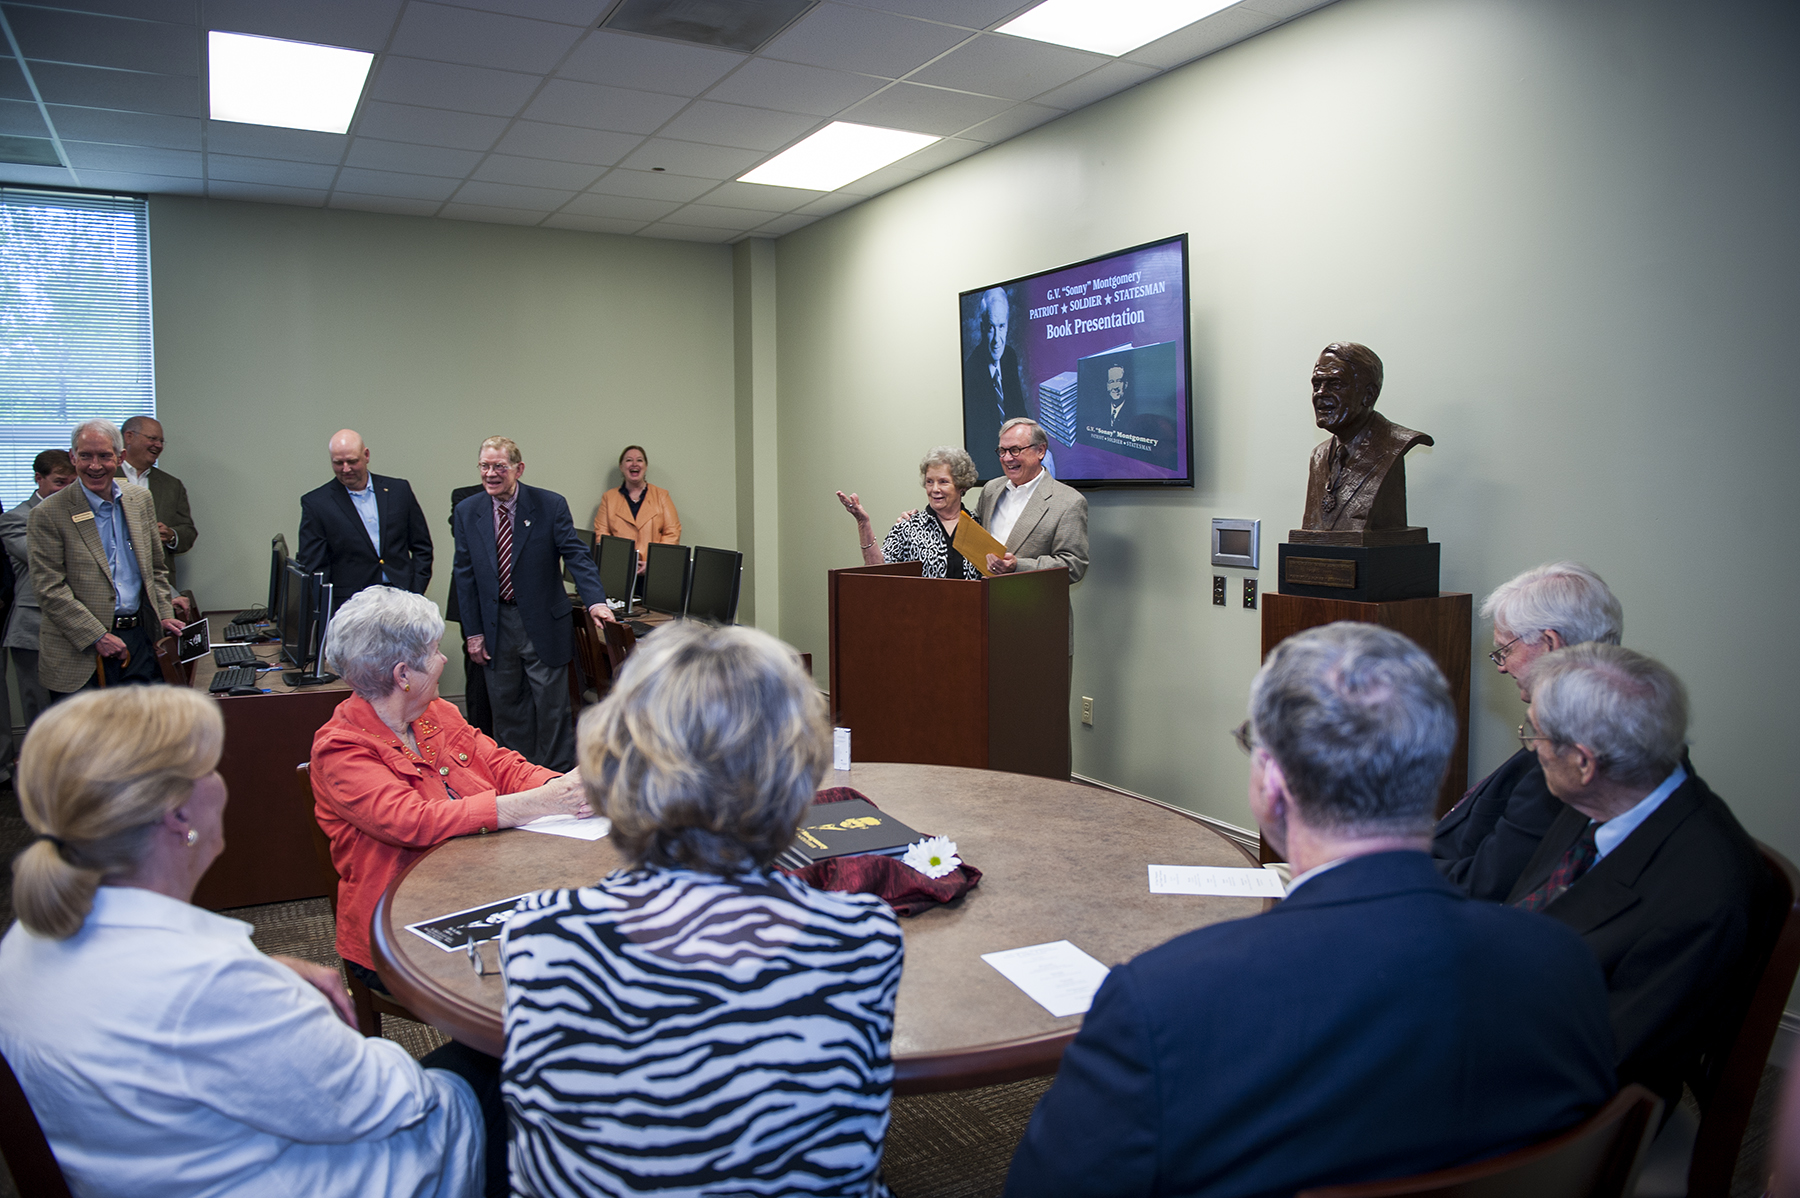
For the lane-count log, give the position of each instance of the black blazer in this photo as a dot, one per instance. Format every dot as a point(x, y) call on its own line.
point(332, 538)
point(1677, 915)
point(544, 541)
point(1377, 1023)
point(984, 409)
point(1484, 842)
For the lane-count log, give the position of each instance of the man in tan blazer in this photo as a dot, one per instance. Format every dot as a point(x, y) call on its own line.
point(98, 569)
point(1041, 522)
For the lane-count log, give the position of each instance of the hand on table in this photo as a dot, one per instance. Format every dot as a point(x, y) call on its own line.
point(477, 646)
point(326, 982)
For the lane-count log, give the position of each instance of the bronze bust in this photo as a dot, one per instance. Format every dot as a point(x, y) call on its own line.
point(1356, 486)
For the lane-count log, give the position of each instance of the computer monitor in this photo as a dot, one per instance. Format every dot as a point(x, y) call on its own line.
point(295, 617)
point(278, 559)
point(666, 579)
point(713, 593)
point(616, 558)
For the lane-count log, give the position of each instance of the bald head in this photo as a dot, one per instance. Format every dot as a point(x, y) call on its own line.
point(349, 458)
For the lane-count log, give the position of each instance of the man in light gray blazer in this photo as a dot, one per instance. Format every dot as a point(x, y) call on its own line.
point(53, 470)
point(1041, 522)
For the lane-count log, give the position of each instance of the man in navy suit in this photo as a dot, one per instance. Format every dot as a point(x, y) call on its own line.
point(512, 542)
point(364, 529)
point(1376, 1023)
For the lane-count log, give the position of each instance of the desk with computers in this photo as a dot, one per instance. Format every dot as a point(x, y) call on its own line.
point(298, 616)
point(696, 584)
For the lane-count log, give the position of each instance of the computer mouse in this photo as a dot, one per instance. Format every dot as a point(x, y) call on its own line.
point(245, 690)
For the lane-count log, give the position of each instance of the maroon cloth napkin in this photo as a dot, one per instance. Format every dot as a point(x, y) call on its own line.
point(900, 886)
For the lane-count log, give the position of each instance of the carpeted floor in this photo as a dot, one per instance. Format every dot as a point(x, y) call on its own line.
point(939, 1145)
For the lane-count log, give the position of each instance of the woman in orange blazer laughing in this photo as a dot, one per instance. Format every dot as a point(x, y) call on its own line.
point(638, 511)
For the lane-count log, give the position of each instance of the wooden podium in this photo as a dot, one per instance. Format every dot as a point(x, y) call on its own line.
point(950, 672)
point(1440, 626)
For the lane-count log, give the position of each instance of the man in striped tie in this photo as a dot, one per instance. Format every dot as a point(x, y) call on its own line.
point(512, 542)
point(1645, 862)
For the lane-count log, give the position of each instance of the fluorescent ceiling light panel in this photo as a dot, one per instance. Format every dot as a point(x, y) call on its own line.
point(295, 85)
point(839, 153)
point(1112, 27)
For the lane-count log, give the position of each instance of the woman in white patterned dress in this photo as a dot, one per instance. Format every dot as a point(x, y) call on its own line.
point(924, 536)
point(699, 1023)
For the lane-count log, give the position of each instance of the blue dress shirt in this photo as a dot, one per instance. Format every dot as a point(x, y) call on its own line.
point(364, 503)
point(121, 559)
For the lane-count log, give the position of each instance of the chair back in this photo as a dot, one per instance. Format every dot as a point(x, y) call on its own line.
point(620, 641)
point(168, 656)
point(590, 657)
point(1742, 1051)
point(1598, 1158)
point(28, 1157)
point(327, 869)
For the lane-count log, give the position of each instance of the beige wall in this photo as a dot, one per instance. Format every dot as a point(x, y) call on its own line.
point(276, 326)
point(1567, 228)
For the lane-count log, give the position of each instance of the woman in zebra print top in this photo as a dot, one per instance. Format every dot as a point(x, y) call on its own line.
point(946, 473)
point(699, 1023)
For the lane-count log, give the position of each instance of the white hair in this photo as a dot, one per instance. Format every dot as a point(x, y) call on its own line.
point(379, 628)
point(98, 426)
point(1039, 437)
point(957, 461)
point(1629, 709)
point(1565, 596)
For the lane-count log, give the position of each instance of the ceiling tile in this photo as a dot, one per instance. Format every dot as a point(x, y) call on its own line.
point(356, 24)
point(57, 36)
point(536, 172)
point(1202, 37)
point(569, 12)
point(691, 158)
point(445, 85)
point(1115, 76)
point(133, 91)
point(619, 208)
point(172, 185)
point(625, 61)
point(1284, 10)
point(1008, 66)
point(650, 185)
point(1012, 122)
point(141, 160)
point(446, 34)
point(299, 197)
point(783, 225)
point(178, 11)
point(708, 217)
point(492, 216)
point(391, 204)
point(21, 119)
point(564, 102)
point(428, 126)
point(687, 233)
point(12, 81)
point(42, 176)
point(511, 195)
point(794, 87)
point(925, 109)
point(265, 170)
point(567, 143)
point(737, 125)
point(858, 39)
point(395, 185)
point(266, 141)
point(759, 196)
point(417, 160)
point(831, 203)
point(129, 128)
point(971, 14)
point(591, 224)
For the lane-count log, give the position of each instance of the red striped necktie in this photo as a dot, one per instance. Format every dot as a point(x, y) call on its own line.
point(1569, 868)
point(503, 547)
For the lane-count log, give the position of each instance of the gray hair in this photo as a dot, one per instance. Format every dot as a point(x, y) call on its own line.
point(379, 628)
point(98, 426)
point(136, 423)
point(1629, 710)
point(957, 461)
point(1360, 720)
point(986, 304)
point(707, 750)
point(1039, 437)
point(1565, 596)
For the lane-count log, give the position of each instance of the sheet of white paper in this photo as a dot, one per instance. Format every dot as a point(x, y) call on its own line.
point(1214, 879)
point(595, 827)
point(1057, 976)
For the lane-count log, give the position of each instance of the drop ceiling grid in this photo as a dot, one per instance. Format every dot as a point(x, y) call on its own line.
point(892, 62)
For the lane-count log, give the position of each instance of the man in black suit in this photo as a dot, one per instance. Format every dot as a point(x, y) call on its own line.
point(1645, 862)
point(512, 542)
point(993, 389)
point(364, 529)
point(1350, 1033)
point(1483, 843)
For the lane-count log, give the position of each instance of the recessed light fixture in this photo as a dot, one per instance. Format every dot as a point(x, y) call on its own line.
point(839, 153)
point(1109, 26)
point(295, 85)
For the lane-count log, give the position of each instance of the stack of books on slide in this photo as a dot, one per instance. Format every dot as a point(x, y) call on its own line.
point(841, 829)
point(1056, 406)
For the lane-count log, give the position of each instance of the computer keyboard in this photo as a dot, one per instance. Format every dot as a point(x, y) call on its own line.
point(234, 655)
point(232, 677)
point(240, 631)
point(638, 628)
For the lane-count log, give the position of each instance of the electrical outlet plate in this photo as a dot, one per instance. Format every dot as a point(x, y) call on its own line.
point(1218, 590)
point(1250, 593)
point(1087, 711)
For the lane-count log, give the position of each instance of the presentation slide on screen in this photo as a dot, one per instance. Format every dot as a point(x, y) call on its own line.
point(1097, 354)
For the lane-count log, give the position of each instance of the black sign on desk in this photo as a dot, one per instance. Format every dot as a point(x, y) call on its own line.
point(457, 929)
point(194, 641)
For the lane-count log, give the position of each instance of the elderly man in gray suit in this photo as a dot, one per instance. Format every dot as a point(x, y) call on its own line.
point(1041, 522)
point(53, 470)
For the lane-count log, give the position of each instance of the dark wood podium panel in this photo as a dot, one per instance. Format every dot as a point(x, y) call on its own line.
point(950, 672)
point(1440, 626)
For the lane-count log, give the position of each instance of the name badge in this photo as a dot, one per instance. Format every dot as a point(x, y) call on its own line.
point(81, 517)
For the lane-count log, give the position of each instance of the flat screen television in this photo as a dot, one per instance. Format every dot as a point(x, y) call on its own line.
point(666, 579)
point(1096, 352)
point(616, 558)
point(294, 619)
point(713, 592)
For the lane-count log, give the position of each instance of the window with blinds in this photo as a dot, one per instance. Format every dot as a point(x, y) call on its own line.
point(74, 321)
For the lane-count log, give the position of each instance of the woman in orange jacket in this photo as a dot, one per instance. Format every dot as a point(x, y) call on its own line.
point(639, 510)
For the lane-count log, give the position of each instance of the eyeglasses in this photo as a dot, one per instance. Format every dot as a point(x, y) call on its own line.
point(1246, 739)
point(490, 468)
point(1525, 738)
point(1006, 451)
point(1498, 656)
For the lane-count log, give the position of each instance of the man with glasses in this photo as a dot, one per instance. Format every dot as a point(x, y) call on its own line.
point(1483, 842)
point(1041, 522)
point(1644, 861)
point(512, 542)
point(363, 529)
point(1348, 1034)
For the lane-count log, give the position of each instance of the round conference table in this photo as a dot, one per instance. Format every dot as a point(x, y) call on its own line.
point(1058, 861)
